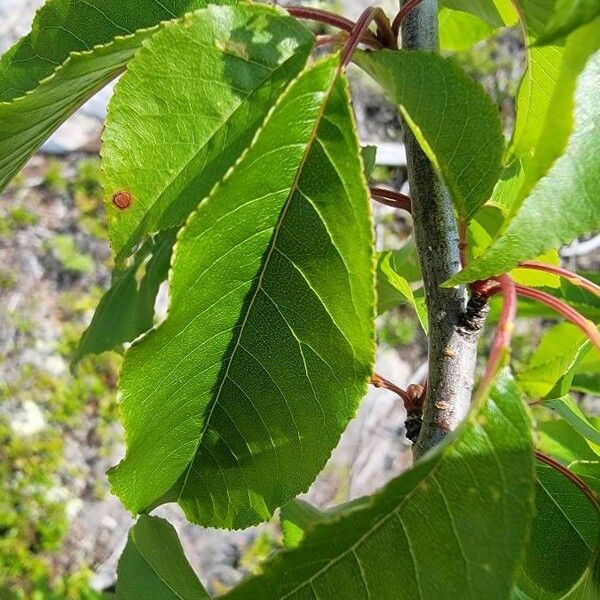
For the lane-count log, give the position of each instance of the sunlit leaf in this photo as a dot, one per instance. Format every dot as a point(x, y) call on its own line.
point(74, 49)
point(189, 104)
point(564, 204)
point(233, 405)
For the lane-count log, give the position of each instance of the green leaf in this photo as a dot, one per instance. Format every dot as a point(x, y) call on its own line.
point(564, 204)
point(450, 527)
point(567, 16)
point(544, 105)
point(566, 525)
point(449, 125)
point(295, 518)
point(393, 288)
point(460, 30)
point(233, 404)
point(153, 565)
point(368, 155)
point(127, 309)
point(74, 49)
point(566, 445)
point(484, 9)
point(551, 367)
point(571, 413)
point(188, 106)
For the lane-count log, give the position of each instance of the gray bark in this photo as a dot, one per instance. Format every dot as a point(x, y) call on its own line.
point(453, 327)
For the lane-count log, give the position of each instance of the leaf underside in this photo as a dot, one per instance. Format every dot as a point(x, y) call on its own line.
point(154, 567)
point(233, 405)
point(459, 129)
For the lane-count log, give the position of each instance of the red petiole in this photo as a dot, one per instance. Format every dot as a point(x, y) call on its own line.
point(573, 278)
point(565, 472)
point(390, 198)
point(329, 18)
point(379, 381)
point(407, 8)
point(504, 329)
point(564, 309)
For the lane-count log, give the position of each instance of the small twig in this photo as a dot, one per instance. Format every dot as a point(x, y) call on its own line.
point(572, 477)
point(324, 16)
point(405, 10)
point(504, 330)
point(565, 310)
point(573, 278)
point(379, 381)
point(390, 198)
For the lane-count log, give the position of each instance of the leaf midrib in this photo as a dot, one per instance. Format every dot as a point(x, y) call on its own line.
point(270, 251)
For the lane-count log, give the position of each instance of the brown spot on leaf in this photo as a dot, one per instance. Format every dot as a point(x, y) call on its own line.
point(122, 200)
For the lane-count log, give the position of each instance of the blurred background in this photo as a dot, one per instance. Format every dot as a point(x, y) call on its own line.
point(61, 532)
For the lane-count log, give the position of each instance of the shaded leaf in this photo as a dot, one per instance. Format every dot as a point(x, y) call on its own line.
point(368, 155)
point(447, 125)
point(564, 204)
point(565, 444)
point(153, 565)
point(551, 367)
point(75, 48)
point(393, 288)
point(188, 106)
point(474, 493)
point(566, 525)
point(127, 309)
point(571, 413)
point(567, 16)
point(233, 405)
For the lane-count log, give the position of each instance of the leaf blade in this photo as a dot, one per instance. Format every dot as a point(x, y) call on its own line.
point(202, 116)
point(367, 552)
point(564, 203)
point(64, 61)
point(245, 401)
point(448, 126)
point(153, 565)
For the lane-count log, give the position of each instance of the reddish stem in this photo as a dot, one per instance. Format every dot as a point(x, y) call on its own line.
point(504, 330)
point(573, 278)
point(565, 310)
point(390, 198)
point(462, 243)
point(329, 18)
point(360, 29)
point(572, 477)
point(379, 381)
point(408, 7)
point(337, 38)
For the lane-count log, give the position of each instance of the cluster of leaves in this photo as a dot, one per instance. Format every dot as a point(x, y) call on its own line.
point(232, 168)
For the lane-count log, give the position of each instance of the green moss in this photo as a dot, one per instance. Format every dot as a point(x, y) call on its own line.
point(53, 179)
point(71, 258)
